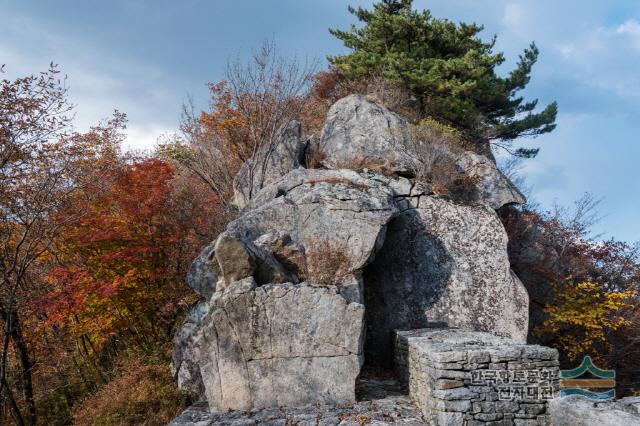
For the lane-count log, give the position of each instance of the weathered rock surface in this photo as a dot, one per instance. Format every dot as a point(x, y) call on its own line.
point(285, 250)
point(185, 360)
point(238, 259)
point(274, 345)
point(446, 263)
point(576, 410)
point(335, 217)
point(204, 271)
point(358, 132)
point(313, 225)
point(270, 163)
point(630, 404)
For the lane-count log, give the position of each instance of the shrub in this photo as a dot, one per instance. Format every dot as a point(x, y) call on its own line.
point(397, 98)
point(437, 146)
point(144, 393)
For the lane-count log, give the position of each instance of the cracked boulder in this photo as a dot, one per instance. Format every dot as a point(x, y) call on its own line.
point(331, 222)
point(271, 162)
point(258, 342)
point(239, 259)
point(230, 259)
point(321, 226)
point(285, 250)
point(275, 345)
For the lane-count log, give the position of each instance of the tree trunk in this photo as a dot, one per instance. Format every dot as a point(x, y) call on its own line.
point(7, 395)
point(12, 321)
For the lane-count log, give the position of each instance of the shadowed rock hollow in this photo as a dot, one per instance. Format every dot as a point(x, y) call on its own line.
point(310, 281)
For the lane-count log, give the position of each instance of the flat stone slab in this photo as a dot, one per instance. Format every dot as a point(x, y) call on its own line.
point(576, 410)
point(383, 403)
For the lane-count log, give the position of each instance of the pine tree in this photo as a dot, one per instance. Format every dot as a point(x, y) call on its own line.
point(450, 70)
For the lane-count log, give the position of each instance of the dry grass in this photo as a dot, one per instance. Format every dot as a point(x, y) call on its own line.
point(327, 263)
point(447, 179)
point(394, 97)
point(429, 132)
point(314, 157)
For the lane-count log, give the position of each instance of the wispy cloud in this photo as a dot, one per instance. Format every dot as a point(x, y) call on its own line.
point(607, 58)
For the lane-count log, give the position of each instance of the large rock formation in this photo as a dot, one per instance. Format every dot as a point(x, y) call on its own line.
point(317, 257)
point(262, 340)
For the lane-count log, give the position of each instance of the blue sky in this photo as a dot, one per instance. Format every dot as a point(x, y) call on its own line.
point(144, 57)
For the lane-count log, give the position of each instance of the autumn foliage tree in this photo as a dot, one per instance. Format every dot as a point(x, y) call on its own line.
point(583, 292)
point(115, 260)
point(94, 246)
point(581, 317)
point(41, 168)
point(246, 112)
point(118, 284)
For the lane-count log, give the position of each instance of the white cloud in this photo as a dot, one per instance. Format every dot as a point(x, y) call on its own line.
point(143, 138)
point(629, 27)
point(98, 82)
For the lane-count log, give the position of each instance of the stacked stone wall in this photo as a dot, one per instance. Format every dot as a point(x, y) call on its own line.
point(473, 378)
